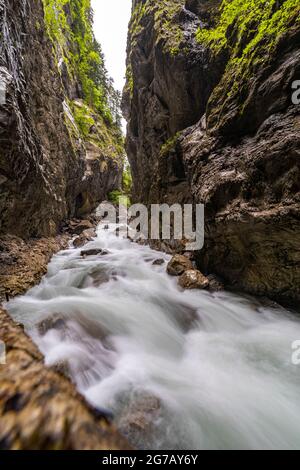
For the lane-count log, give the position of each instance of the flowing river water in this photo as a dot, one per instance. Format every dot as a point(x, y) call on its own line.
point(178, 369)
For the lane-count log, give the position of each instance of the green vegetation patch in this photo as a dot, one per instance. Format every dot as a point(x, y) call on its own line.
point(94, 129)
point(169, 145)
point(250, 22)
point(69, 26)
point(166, 25)
point(248, 31)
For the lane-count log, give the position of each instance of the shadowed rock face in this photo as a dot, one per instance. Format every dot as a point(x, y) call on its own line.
point(168, 93)
point(47, 173)
point(202, 128)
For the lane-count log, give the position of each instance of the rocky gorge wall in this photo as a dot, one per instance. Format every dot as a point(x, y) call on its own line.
point(211, 120)
point(61, 153)
point(59, 156)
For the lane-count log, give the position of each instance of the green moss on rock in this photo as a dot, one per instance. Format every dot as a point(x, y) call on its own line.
point(69, 26)
point(96, 111)
point(167, 29)
point(248, 30)
point(169, 145)
point(248, 33)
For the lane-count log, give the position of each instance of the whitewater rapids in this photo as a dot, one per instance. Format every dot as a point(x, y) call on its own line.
point(219, 365)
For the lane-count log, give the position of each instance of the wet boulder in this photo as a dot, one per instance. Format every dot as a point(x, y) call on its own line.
point(178, 265)
point(77, 228)
point(85, 237)
point(193, 279)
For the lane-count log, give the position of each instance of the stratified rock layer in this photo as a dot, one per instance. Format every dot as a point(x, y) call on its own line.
point(211, 120)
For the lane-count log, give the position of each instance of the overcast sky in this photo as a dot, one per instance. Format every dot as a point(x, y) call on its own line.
point(111, 18)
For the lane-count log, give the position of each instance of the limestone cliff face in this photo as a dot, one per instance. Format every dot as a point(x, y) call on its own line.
point(210, 119)
point(48, 171)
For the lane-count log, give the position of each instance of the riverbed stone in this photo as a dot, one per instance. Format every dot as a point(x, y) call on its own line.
point(85, 237)
point(105, 252)
point(178, 265)
point(158, 262)
point(92, 252)
point(78, 227)
point(193, 279)
point(138, 419)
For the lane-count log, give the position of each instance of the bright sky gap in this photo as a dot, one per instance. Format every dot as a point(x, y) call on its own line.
point(111, 18)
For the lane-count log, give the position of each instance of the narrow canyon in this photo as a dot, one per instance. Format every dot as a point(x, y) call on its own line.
point(111, 344)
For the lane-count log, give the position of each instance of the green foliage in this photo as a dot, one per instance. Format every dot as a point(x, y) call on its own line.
point(93, 128)
point(248, 31)
point(115, 196)
point(166, 25)
point(123, 196)
point(169, 145)
point(69, 26)
point(83, 119)
point(129, 80)
point(135, 25)
point(253, 20)
point(127, 180)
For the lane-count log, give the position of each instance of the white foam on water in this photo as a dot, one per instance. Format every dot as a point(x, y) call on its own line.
point(220, 364)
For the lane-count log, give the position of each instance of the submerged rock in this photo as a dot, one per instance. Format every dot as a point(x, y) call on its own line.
point(99, 277)
point(105, 252)
point(92, 252)
point(158, 262)
point(54, 321)
point(138, 420)
point(193, 279)
point(178, 265)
